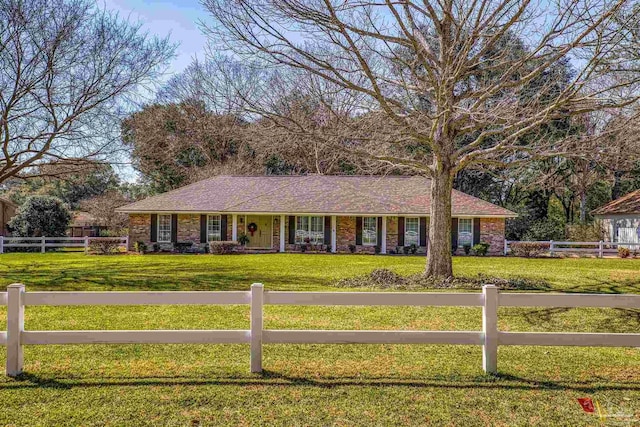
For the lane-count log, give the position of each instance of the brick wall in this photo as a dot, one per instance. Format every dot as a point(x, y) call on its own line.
point(492, 232)
point(189, 228)
point(392, 233)
point(139, 229)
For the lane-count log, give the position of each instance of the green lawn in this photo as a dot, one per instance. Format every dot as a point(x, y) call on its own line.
point(312, 384)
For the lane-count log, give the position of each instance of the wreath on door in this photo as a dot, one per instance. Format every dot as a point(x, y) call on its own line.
point(252, 228)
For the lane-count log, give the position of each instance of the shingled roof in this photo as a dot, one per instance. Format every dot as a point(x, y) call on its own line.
point(627, 204)
point(321, 194)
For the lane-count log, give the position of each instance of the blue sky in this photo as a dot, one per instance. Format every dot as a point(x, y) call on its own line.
point(179, 18)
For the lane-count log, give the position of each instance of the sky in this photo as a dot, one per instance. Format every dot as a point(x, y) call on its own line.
point(178, 18)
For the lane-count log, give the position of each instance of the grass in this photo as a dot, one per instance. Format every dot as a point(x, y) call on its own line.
point(313, 384)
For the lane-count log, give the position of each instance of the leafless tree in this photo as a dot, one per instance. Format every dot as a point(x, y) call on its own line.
point(103, 207)
point(437, 85)
point(68, 70)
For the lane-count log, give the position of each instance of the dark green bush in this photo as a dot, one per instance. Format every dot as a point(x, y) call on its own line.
point(481, 249)
point(41, 216)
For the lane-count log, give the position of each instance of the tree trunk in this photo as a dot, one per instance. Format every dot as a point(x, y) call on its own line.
point(583, 207)
point(439, 243)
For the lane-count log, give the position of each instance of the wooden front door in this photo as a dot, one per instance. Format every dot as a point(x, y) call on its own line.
point(263, 235)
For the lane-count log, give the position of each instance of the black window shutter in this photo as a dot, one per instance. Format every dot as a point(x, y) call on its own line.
point(423, 231)
point(358, 230)
point(454, 232)
point(327, 230)
point(203, 229)
point(476, 231)
point(174, 228)
point(400, 231)
point(292, 229)
point(379, 240)
point(154, 227)
point(223, 227)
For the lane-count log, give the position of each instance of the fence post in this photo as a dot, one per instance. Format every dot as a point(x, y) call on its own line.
point(1, 244)
point(86, 244)
point(506, 246)
point(600, 249)
point(257, 299)
point(15, 327)
point(42, 244)
point(126, 243)
point(490, 329)
point(551, 247)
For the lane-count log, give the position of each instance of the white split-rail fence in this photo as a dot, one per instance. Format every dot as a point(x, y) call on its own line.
point(16, 299)
point(55, 242)
point(597, 248)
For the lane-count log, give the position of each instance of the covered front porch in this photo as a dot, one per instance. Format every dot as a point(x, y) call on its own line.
point(308, 232)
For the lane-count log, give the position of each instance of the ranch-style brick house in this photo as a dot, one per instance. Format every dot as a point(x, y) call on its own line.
point(283, 213)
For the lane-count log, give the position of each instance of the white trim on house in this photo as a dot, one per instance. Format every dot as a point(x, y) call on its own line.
point(348, 214)
point(383, 244)
point(234, 227)
point(334, 234)
point(282, 232)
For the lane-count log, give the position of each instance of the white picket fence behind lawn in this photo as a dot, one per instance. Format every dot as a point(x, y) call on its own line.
point(43, 243)
point(16, 299)
point(597, 248)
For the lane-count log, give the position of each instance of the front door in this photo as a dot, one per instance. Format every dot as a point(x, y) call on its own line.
point(261, 237)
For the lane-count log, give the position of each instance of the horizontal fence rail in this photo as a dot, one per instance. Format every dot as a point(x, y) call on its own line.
point(16, 299)
point(43, 243)
point(597, 248)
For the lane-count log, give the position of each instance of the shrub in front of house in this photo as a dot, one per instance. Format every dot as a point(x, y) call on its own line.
point(182, 247)
point(467, 248)
point(624, 252)
point(480, 249)
point(140, 247)
point(352, 248)
point(105, 246)
point(529, 249)
point(225, 247)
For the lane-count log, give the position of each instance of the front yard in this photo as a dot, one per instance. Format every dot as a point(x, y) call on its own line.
point(313, 384)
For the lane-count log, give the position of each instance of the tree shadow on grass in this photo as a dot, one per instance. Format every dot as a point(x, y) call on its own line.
point(277, 379)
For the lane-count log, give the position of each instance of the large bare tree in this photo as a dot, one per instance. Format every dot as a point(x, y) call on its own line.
point(68, 69)
point(445, 85)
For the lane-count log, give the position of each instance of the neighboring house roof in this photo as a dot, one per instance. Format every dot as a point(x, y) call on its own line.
point(321, 194)
point(627, 204)
point(83, 219)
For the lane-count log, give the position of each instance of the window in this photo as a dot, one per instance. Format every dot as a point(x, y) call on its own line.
point(465, 231)
point(412, 231)
point(164, 228)
point(369, 231)
point(214, 228)
point(317, 230)
point(310, 227)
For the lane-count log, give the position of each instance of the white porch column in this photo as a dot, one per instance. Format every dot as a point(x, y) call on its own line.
point(282, 220)
point(234, 227)
point(383, 244)
point(333, 234)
